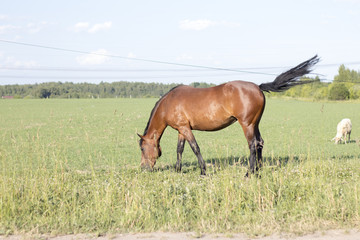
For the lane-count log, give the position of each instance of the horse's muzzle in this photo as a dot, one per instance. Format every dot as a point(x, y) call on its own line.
point(147, 167)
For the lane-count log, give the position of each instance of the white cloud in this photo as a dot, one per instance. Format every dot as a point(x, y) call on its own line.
point(81, 26)
point(30, 27)
point(86, 27)
point(94, 58)
point(13, 62)
point(202, 24)
point(100, 26)
point(327, 18)
point(197, 25)
point(131, 55)
point(7, 28)
point(184, 56)
point(36, 27)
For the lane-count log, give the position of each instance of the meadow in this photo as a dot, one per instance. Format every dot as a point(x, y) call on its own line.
point(72, 166)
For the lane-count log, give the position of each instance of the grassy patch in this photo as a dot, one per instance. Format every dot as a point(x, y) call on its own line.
point(72, 166)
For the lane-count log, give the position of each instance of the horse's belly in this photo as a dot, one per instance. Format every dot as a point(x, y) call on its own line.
point(212, 125)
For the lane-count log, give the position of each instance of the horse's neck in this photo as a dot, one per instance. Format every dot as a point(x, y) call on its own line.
point(156, 128)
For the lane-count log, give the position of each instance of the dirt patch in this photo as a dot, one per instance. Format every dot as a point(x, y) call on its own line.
point(328, 235)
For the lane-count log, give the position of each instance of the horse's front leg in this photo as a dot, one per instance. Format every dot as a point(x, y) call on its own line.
point(186, 132)
point(180, 150)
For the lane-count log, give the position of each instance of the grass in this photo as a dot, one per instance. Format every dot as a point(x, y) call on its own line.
point(72, 166)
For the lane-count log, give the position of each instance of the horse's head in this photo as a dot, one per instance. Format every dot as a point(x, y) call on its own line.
point(150, 151)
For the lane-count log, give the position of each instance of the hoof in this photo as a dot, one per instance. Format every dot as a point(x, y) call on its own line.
point(248, 175)
point(178, 168)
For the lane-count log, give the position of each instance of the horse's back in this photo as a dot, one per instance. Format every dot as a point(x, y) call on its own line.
point(231, 90)
point(212, 108)
point(246, 93)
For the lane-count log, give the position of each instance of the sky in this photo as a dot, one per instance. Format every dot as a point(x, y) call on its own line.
point(174, 41)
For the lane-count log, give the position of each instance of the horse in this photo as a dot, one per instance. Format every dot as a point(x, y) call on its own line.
point(185, 108)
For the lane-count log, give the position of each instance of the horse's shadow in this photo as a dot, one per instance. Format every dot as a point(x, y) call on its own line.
point(244, 161)
point(222, 163)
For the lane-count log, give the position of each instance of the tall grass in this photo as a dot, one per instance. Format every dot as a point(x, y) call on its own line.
point(71, 166)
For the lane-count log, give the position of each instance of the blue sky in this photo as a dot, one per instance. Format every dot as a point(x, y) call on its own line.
point(261, 37)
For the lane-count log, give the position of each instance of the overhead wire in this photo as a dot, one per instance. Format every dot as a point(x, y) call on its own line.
point(198, 67)
point(131, 58)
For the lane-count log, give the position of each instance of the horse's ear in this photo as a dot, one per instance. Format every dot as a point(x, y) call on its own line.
point(140, 136)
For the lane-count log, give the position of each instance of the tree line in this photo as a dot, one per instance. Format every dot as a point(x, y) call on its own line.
point(346, 85)
point(88, 90)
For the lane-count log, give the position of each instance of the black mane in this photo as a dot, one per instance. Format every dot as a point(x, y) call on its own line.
point(153, 111)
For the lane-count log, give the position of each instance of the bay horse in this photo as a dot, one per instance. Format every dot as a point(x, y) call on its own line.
point(185, 108)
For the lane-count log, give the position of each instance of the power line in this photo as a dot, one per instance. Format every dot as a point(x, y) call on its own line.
point(52, 78)
point(110, 77)
point(69, 69)
point(199, 67)
point(43, 68)
point(133, 59)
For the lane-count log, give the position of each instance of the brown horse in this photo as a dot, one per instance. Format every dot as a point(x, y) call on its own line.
point(185, 108)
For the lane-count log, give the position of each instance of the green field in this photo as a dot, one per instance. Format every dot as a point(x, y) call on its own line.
point(72, 166)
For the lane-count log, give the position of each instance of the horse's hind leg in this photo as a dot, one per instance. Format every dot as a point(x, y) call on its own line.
point(180, 150)
point(251, 139)
point(256, 143)
point(188, 135)
point(253, 162)
point(259, 147)
point(195, 147)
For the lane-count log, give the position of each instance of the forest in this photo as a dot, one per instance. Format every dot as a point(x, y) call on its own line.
point(121, 89)
point(345, 86)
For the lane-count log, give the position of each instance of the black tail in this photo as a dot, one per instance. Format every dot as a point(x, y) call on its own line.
point(291, 77)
